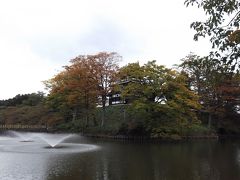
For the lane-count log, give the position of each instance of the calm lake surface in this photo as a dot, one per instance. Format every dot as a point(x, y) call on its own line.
point(109, 160)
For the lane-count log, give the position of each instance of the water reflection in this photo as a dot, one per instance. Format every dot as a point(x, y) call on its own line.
point(164, 161)
point(126, 161)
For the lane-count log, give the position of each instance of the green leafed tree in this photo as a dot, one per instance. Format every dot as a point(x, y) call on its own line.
point(203, 76)
point(217, 87)
point(222, 26)
point(159, 97)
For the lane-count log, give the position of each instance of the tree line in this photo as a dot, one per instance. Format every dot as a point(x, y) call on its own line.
point(197, 95)
point(23, 99)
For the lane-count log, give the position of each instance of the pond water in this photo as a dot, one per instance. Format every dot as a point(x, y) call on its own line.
point(79, 158)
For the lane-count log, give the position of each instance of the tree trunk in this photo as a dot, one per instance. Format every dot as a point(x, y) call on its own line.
point(87, 108)
point(74, 114)
point(209, 120)
point(103, 110)
point(124, 115)
point(87, 119)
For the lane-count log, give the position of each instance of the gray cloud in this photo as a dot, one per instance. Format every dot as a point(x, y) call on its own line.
point(102, 35)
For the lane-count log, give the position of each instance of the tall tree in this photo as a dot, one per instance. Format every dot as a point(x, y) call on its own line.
point(204, 77)
point(216, 86)
point(103, 71)
point(73, 91)
point(222, 26)
point(86, 80)
point(160, 96)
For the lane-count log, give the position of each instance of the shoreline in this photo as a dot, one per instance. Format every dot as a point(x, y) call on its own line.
point(149, 139)
point(132, 138)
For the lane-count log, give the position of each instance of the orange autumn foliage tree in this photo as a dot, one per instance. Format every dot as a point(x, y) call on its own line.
point(80, 86)
point(104, 72)
point(71, 93)
point(229, 95)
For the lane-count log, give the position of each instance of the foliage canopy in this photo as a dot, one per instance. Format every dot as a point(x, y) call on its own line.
point(222, 26)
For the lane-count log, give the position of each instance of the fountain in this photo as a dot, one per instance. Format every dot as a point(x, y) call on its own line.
point(24, 136)
point(53, 139)
point(56, 143)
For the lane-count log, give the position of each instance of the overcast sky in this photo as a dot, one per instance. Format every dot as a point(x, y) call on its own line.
point(38, 37)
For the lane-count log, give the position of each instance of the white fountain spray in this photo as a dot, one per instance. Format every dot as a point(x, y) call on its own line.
point(53, 139)
point(24, 136)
